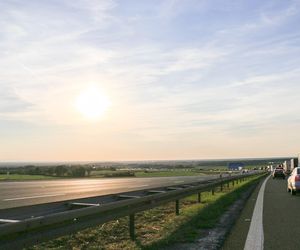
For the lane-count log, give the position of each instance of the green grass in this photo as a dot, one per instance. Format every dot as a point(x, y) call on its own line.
point(22, 177)
point(101, 173)
point(150, 173)
point(179, 172)
point(110, 173)
point(158, 227)
point(166, 173)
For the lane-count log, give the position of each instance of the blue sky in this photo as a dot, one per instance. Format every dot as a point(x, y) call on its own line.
point(186, 79)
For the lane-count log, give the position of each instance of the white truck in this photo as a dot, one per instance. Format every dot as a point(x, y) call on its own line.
point(287, 167)
point(294, 163)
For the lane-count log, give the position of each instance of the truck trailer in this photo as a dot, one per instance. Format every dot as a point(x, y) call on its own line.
point(294, 163)
point(287, 167)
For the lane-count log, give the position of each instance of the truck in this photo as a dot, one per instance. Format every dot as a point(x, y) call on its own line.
point(294, 163)
point(287, 167)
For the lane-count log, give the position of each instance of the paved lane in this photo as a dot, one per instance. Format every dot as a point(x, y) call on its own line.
point(281, 217)
point(15, 194)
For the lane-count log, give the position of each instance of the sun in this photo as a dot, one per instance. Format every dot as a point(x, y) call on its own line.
point(92, 103)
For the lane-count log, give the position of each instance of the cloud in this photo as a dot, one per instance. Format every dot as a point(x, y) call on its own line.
point(11, 103)
point(173, 70)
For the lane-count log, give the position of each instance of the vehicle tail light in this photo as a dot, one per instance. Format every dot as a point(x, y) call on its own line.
point(297, 177)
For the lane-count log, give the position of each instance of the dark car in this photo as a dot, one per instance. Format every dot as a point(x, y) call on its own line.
point(278, 173)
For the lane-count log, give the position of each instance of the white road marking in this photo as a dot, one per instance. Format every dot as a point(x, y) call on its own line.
point(255, 237)
point(178, 181)
point(8, 221)
point(32, 197)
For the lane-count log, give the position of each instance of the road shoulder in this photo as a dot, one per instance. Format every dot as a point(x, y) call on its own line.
point(214, 238)
point(237, 236)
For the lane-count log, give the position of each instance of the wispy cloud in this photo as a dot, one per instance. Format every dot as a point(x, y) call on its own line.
point(176, 71)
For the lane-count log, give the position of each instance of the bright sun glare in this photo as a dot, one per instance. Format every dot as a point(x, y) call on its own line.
point(92, 103)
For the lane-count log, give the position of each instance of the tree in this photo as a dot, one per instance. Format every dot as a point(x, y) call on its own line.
point(50, 171)
point(60, 170)
point(78, 171)
point(89, 170)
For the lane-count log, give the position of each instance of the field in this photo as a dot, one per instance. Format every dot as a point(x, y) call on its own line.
point(151, 173)
point(167, 173)
point(23, 177)
point(116, 173)
point(41, 171)
point(120, 172)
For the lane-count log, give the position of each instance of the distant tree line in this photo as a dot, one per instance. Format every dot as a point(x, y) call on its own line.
point(81, 170)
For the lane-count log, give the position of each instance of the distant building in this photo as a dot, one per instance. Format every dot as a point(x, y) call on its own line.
point(236, 165)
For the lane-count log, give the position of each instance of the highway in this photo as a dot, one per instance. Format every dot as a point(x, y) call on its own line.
point(280, 220)
point(24, 193)
point(281, 217)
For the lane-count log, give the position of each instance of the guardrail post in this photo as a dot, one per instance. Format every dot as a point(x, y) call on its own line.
point(221, 187)
point(177, 207)
point(131, 227)
point(228, 184)
point(233, 183)
point(213, 191)
point(199, 197)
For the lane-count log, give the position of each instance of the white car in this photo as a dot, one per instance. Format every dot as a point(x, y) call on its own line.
point(293, 182)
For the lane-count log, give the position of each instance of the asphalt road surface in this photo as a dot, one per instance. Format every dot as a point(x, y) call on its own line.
point(281, 219)
point(16, 194)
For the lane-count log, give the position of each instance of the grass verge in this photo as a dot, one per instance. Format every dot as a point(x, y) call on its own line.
point(151, 173)
point(158, 227)
point(105, 174)
point(23, 177)
point(166, 173)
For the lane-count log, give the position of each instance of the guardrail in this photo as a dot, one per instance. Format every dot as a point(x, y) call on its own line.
point(18, 234)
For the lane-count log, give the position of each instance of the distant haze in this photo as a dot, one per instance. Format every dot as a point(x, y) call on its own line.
point(107, 80)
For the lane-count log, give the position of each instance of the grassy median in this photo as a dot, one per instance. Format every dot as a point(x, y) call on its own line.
point(109, 174)
point(158, 227)
point(24, 177)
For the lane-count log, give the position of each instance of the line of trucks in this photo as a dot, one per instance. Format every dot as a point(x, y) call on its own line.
point(291, 170)
point(287, 165)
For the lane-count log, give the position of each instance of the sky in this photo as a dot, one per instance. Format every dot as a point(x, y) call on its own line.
point(194, 79)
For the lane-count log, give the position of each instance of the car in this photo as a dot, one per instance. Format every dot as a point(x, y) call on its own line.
point(293, 182)
point(278, 173)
